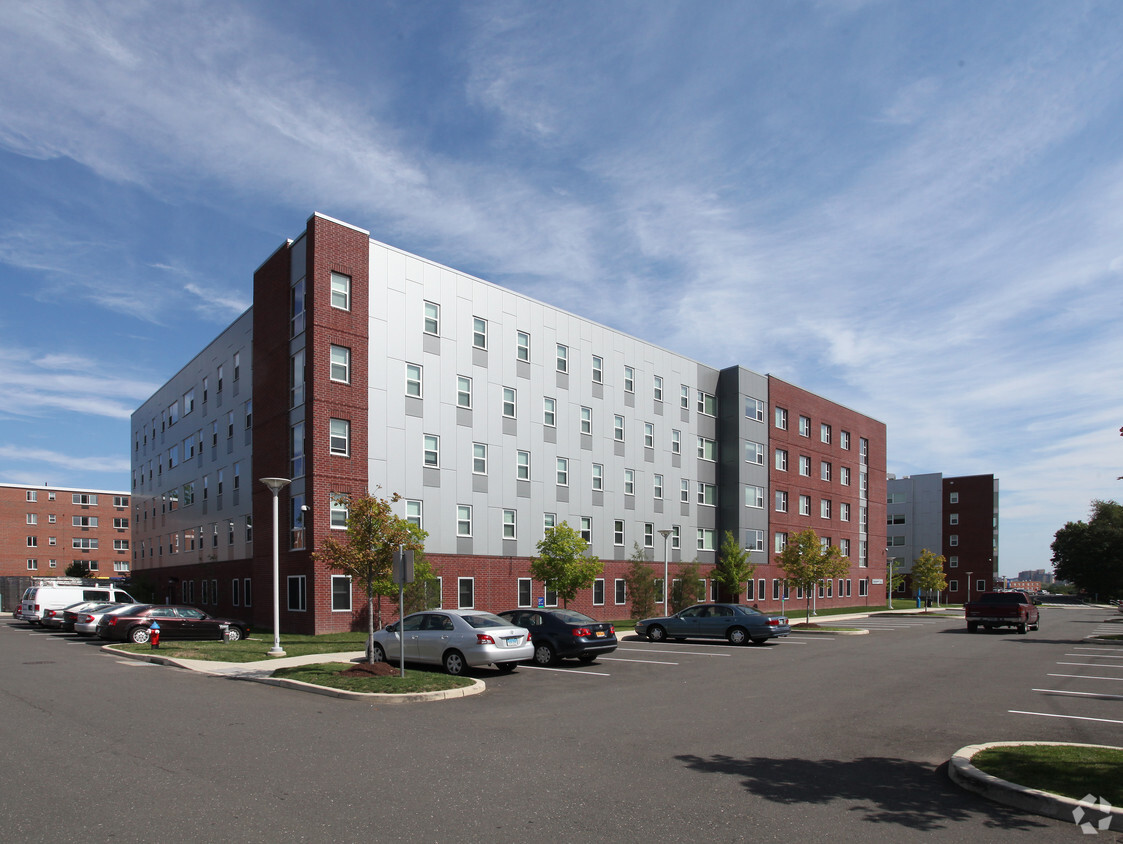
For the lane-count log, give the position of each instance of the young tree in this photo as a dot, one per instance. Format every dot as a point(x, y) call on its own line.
point(687, 589)
point(733, 568)
point(639, 580)
point(807, 562)
point(564, 563)
point(423, 593)
point(77, 569)
point(1090, 554)
point(374, 533)
point(928, 573)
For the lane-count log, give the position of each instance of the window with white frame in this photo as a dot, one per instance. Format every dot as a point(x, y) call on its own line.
point(598, 476)
point(431, 450)
point(598, 592)
point(754, 497)
point(618, 532)
point(648, 534)
point(414, 511)
point(843, 511)
point(844, 475)
point(754, 539)
point(824, 433)
point(707, 449)
point(675, 537)
point(824, 470)
point(432, 318)
point(549, 412)
point(844, 440)
point(658, 486)
point(754, 409)
point(619, 591)
point(525, 592)
point(522, 346)
point(549, 522)
point(805, 505)
point(479, 332)
point(953, 561)
point(509, 517)
point(953, 540)
point(863, 450)
point(563, 471)
point(463, 391)
point(618, 428)
point(863, 588)
point(509, 402)
point(779, 541)
point(341, 291)
point(339, 437)
point(598, 369)
point(586, 529)
point(805, 466)
point(340, 593)
point(463, 519)
point(705, 539)
point(562, 360)
point(465, 593)
point(522, 465)
point(781, 460)
point(479, 458)
point(340, 364)
point(297, 592)
point(586, 420)
point(649, 435)
point(707, 404)
point(824, 508)
point(953, 518)
point(953, 498)
point(684, 397)
point(676, 441)
point(754, 452)
point(629, 481)
point(657, 388)
point(551, 597)
point(781, 418)
point(707, 494)
point(684, 491)
point(629, 379)
point(804, 426)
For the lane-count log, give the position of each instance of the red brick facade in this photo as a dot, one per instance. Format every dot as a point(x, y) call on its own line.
point(969, 523)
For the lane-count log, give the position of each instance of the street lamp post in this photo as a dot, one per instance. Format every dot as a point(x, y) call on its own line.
point(275, 486)
point(666, 532)
point(890, 565)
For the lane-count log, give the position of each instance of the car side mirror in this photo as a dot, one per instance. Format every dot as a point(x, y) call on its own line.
point(391, 628)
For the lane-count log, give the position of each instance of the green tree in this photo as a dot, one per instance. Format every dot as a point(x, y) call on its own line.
point(928, 573)
point(733, 568)
point(424, 592)
point(374, 533)
point(639, 580)
point(687, 589)
point(1090, 554)
point(564, 563)
point(807, 562)
point(77, 569)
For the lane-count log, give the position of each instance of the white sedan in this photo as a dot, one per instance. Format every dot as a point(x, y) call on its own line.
point(455, 639)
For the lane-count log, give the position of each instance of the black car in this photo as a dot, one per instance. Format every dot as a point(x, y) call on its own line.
point(175, 622)
point(561, 634)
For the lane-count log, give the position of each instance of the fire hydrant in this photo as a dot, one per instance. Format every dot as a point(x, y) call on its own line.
point(154, 634)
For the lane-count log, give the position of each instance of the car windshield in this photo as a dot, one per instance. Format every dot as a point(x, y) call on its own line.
point(485, 619)
point(571, 617)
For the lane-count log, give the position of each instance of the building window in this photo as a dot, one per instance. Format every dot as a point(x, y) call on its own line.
point(341, 364)
point(864, 451)
point(432, 318)
point(586, 420)
point(844, 476)
point(619, 591)
point(658, 487)
point(479, 458)
point(648, 535)
point(781, 501)
point(563, 471)
point(32, 495)
point(705, 539)
point(781, 419)
point(657, 388)
point(676, 441)
point(684, 397)
point(509, 402)
point(340, 591)
point(953, 561)
point(432, 451)
point(296, 455)
point(33, 542)
point(598, 592)
point(706, 449)
point(414, 510)
point(562, 361)
point(587, 528)
point(84, 499)
point(522, 465)
point(824, 508)
point(341, 299)
point(524, 592)
point(804, 426)
point(675, 537)
point(844, 511)
point(754, 540)
point(413, 380)
point(649, 435)
point(598, 476)
point(479, 333)
point(549, 412)
point(953, 498)
point(618, 428)
point(340, 437)
point(953, 540)
point(618, 532)
point(805, 466)
point(32, 518)
point(824, 470)
point(844, 440)
point(463, 519)
point(754, 409)
point(684, 491)
point(549, 522)
point(522, 346)
point(863, 588)
point(463, 391)
point(781, 460)
point(754, 497)
point(296, 381)
point(298, 593)
point(551, 596)
point(85, 543)
point(509, 524)
point(465, 593)
point(953, 585)
point(825, 433)
point(707, 494)
point(754, 452)
point(83, 521)
point(779, 541)
point(598, 369)
point(707, 404)
point(629, 379)
point(629, 481)
point(953, 519)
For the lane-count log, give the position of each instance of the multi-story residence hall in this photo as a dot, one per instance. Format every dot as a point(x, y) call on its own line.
point(954, 517)
point(360, 367)
point(43, 529)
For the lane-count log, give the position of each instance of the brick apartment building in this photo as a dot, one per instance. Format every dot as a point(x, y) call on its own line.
point(361, 367)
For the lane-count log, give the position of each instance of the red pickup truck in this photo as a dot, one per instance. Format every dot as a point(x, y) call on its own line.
point(1002, 609)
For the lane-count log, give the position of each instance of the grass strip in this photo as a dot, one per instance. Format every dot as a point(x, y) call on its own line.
point(330, 674)
point(1060, 769)
point(254, 648)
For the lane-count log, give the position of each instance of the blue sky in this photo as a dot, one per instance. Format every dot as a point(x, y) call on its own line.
point(913, 209)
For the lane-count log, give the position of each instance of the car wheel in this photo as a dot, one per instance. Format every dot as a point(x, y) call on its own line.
point(544, 653)
point(656, 633)
point(377, 654)
point(586, 657)
point(233, 634)
point(1036, 626)
point(139, 635)
point(737, 636)
point(454, 663)
point(506, 667)
point(972, 627)
point(1022, 628)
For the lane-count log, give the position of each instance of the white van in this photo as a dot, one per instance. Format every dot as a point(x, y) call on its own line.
point(62, 592)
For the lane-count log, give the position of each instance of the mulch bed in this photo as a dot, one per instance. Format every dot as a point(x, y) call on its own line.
point(367, 669)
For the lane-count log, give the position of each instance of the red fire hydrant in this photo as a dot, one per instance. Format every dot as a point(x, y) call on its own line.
point(154, 634)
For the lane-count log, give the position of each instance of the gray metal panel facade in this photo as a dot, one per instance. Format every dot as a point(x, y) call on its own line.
point(923, 512)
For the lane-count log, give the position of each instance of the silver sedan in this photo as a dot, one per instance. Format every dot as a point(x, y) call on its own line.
point(455, 639)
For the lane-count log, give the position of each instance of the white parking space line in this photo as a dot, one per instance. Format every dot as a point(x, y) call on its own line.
point(1087, 677)
point(1091, 664)
point(566, 670)
point(648, 650)
point(1087, 648)
point(1071, 717)
point(1080, 694)
point(1096, 656)
point(626, 659)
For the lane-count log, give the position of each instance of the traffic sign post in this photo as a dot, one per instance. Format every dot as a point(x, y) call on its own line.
point(402, 570)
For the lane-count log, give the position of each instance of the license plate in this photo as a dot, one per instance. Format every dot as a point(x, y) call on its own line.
point(512, 641)
point(600, 634)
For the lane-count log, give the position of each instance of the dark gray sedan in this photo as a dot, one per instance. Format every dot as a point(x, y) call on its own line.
point(735, 622)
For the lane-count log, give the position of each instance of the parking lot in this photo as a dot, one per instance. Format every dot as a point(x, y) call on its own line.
point(811, 737)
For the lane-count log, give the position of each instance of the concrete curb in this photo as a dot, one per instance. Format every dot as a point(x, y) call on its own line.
point(967, 776)
point(255, 673)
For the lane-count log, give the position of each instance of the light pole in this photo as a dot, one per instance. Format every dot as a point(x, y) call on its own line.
point(666, 532)
point(275, 486)
point(890, 564)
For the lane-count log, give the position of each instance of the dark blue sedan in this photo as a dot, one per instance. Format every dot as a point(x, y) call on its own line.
point(735, 622)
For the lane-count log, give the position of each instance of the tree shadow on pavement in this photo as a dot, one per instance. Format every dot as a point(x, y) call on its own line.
point(885, 790)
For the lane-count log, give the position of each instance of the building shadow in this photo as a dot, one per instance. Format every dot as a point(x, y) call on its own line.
point(882, 790)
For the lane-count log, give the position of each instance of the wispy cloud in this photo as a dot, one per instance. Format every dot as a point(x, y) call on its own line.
point(18, 455)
